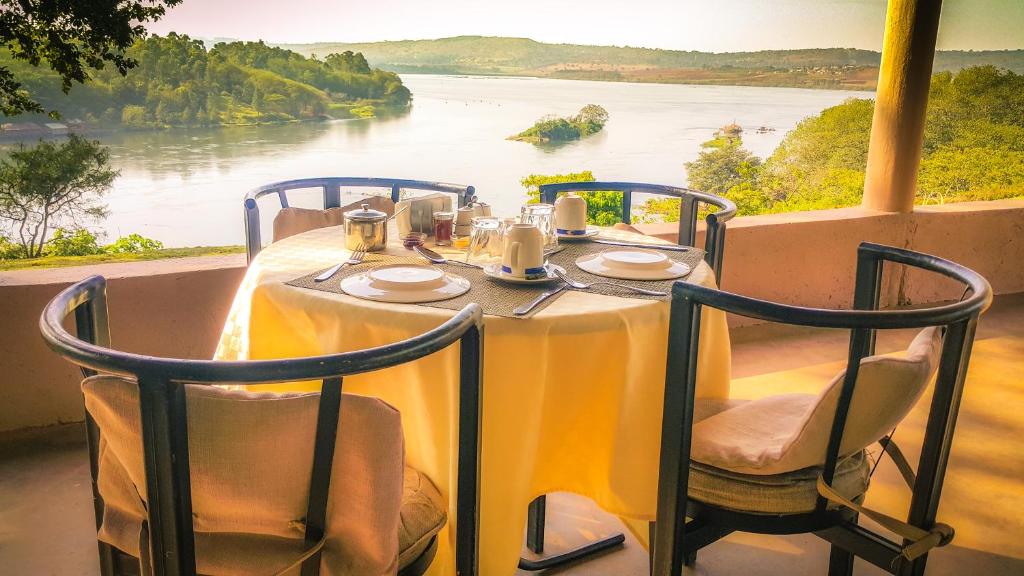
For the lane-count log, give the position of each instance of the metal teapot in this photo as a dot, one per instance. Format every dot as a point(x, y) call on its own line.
point(366, 228)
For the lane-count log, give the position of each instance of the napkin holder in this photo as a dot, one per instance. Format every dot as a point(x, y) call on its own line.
point(419, 217)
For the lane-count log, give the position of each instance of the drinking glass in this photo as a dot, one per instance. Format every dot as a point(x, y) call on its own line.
point(542, 216)
point(485, 240)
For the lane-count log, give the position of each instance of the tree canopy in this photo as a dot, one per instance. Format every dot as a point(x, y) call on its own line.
point(973, 150)
point(604, 207)
point(178, 82)
point(72, 37)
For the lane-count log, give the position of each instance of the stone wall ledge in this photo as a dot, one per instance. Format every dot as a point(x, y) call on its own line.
point(119, 270)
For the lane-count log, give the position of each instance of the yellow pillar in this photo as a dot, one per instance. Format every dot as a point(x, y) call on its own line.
point(897, 128)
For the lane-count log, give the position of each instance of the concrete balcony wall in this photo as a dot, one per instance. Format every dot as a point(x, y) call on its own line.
point(809, 258)
point(177, 307)
point(166, 307)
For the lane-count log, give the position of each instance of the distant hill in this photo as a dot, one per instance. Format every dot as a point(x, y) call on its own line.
point(820, 67)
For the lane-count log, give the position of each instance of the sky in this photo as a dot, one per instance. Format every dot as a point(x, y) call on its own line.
point(706, 25)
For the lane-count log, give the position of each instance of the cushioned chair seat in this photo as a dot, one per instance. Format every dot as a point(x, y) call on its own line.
point(764, 456)
point(788, 493)
point(226, 554)
point(423, 516)
point(250, 457)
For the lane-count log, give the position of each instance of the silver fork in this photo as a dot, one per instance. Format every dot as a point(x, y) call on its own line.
point(354, 259)
point(583, 286)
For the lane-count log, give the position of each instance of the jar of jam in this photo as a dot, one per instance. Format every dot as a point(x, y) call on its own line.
point(444, 223)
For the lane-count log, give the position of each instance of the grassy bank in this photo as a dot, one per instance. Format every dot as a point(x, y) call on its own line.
point(65, 261)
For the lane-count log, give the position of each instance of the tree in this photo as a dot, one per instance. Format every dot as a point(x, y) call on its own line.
point(604, 207)
point(821, 149)
point(72, 37)
point(52, 185)
point(720, 165)
point(591, 118)
point(133, 116)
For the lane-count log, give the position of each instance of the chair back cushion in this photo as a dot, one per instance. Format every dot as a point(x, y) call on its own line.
point(789, 432)
point(291, 221)
point(250, 456)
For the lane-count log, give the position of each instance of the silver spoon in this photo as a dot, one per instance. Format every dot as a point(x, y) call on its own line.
point(438, 259)
point(583, 286)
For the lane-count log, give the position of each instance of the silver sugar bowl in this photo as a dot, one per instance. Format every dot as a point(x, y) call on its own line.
point(366, 228)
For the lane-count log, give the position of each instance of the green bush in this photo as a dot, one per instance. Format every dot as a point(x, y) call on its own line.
point(367, 111)
point(604, 207)
point(10, 250)
point(79, 242)
point(133, 244)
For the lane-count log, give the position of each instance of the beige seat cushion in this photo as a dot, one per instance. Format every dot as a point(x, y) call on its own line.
point(250, 456)
point(423, 516)
point(789, 493)
point(291, 221)
point(790, 432)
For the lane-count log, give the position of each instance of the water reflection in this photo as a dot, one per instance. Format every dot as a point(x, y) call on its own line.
point(183, 152)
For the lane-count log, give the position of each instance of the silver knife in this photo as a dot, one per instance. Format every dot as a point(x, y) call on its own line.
point(670, 247)
point(526, 308)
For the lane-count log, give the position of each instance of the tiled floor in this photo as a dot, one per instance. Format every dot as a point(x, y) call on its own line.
point(46, 522)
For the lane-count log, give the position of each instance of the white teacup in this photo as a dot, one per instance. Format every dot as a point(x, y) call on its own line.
point(523, 252)
point(571, 215)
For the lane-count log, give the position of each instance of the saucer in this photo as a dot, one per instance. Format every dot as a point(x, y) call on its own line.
point(494, 271)
point(590, 233)
point(405, 283)
point(632, 264)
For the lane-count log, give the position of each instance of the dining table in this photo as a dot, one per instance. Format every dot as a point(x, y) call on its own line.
point(571, 395)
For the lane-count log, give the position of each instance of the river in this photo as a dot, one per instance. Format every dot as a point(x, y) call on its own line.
point(185, 187)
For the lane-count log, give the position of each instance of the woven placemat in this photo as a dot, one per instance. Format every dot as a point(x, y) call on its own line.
point(501, 298)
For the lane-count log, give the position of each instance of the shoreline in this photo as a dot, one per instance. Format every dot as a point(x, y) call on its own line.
point(11, 137)
point(659, 80)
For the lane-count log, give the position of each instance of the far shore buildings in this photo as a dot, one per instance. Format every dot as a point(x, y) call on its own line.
point(23, 130)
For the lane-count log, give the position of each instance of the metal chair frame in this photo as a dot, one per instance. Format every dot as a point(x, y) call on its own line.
point(675, 540)
point(692, 200)
point(162, 383)
point(331, 187)
point(714, 244)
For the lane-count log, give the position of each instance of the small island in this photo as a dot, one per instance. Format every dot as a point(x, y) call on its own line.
point(552, 129)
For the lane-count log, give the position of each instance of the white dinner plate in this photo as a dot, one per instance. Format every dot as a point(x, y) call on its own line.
point(405, 283)
point(632, 264)
point(494, 271)
point(590, 233)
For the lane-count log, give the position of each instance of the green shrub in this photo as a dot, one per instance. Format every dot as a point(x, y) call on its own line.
point(79, 242)
point(367, 111)
point(10, 250)
point(604, 207)
point(133, 244)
